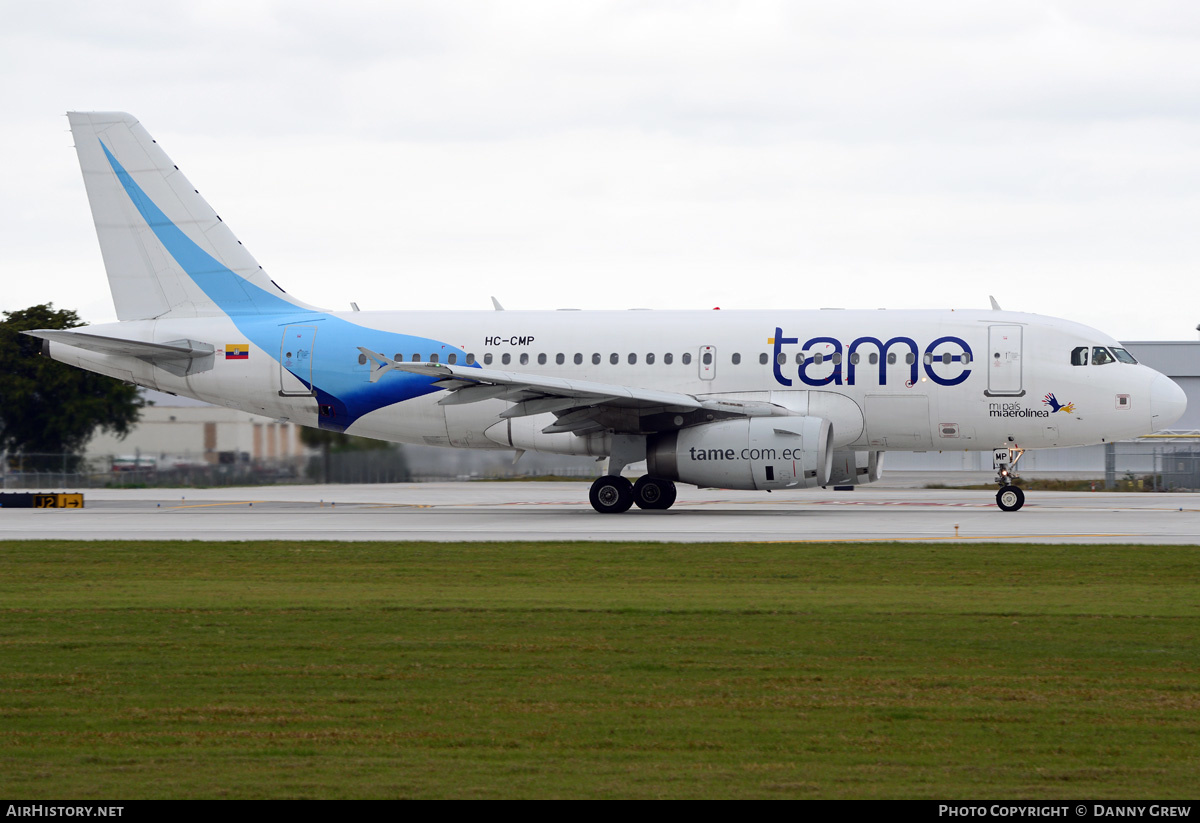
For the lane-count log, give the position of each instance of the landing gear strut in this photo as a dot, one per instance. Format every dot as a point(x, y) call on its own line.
point(1010, 497)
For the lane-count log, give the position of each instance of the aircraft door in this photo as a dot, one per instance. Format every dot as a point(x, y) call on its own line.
point(295, 360)
point(708, 362)
point(1004, 366)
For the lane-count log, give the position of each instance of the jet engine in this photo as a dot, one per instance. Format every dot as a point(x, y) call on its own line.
point(754, 453)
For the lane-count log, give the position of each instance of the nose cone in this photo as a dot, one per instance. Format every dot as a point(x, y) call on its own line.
point(1167, 403)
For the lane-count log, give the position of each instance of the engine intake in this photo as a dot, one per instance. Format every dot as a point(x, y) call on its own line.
point(758, 453)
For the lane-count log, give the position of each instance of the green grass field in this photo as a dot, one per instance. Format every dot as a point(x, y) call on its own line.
point(132, 670)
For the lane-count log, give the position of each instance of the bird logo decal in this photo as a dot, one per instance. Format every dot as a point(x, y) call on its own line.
point(1055, 406)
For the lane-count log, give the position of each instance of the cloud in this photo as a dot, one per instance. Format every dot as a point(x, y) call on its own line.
point(650, 153)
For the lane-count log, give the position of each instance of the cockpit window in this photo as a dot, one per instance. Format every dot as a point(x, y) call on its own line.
point(1124, 356)
point(1102, 356)
point(1079, 356)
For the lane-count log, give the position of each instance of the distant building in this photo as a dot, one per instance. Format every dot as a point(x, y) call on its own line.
point(180, 432)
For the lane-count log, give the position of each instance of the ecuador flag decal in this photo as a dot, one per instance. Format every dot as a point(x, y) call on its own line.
point(237, 351)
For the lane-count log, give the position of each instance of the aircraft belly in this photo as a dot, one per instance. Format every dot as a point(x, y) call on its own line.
point(466, 424)
point(419, 420)
point(898, 421)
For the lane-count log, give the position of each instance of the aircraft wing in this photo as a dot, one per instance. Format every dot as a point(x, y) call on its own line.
point(581, 406)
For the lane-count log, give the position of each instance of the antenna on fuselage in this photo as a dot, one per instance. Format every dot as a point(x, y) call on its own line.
point(995, 305)
point(496, 303)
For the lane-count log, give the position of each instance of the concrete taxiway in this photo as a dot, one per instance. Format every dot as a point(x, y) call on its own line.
point(560, 511)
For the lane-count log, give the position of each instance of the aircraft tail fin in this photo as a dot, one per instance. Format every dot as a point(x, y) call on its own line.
point(167, 253)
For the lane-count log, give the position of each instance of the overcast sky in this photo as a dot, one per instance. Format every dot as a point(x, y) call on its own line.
point(650, 154)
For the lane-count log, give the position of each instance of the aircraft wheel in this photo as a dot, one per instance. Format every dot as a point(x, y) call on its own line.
point(653, 493)
point(611, 494)
point(1010, 498)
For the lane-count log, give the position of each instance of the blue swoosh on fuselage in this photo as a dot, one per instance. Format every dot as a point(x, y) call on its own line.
point(339, 382)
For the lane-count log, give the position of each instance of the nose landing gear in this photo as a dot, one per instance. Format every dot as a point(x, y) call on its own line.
point(1010, 497)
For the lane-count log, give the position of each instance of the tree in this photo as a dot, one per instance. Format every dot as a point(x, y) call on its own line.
point(50, 408)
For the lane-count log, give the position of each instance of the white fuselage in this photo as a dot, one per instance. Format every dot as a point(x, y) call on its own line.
point(886, 380)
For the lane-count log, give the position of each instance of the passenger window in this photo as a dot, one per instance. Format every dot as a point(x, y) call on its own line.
point(668, 358)
point(818, 358)
point(873, 358)
point(891, 358)
point(614, 358)
point(686, 359)
point(578, 359)
point(433, 358)
point(837, 358)
point(800, 358)
point(487, 359)
point(736, 358)
point(362, 360)
point(471, 359)
point(524, 358)
point(506, 358)
point(910, 358)
point(632, 359)
point(762, 359)
point(596, 359)
point(560, 358)
point(966, 358)
point(946, 359)
point(1124, 356)
point(1101, 356)
point(928, 358)
point(452, 359)
point(542, 359)
point(781, 359)
point(854, 358)
point(399, 358)
point(650, 359)
point(416, 358)
point(1079, 356)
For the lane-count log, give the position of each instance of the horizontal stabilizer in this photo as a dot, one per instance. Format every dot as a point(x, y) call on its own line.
point(179, 357)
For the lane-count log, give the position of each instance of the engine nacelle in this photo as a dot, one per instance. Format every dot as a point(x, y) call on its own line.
point(854, 468)
point(757, 453)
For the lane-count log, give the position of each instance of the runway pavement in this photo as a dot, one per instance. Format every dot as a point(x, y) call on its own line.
point(560, 511)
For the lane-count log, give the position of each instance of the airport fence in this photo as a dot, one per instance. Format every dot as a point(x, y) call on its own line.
point(412, 464)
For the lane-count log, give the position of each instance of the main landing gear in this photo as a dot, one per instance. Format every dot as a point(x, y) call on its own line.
point(613, 494)
point(1010, 497)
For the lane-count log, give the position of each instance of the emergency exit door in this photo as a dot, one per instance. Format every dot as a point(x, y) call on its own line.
point(708, 362)
point(1004, 362)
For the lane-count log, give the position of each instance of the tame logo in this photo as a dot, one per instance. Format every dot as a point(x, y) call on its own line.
point(838, 364)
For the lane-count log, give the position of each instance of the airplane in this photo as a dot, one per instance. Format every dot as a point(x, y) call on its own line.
point(766, 400)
